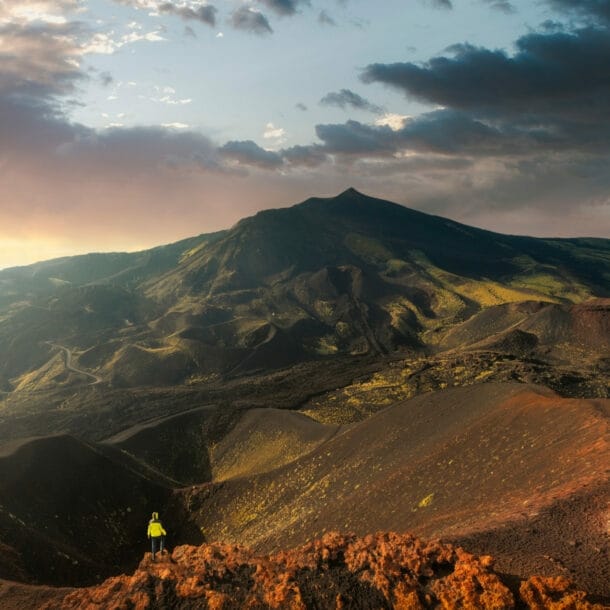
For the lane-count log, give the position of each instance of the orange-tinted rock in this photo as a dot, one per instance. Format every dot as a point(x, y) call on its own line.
point(554, 593)
point(386, 570)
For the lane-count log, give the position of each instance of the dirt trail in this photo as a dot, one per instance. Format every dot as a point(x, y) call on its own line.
point(151, 423)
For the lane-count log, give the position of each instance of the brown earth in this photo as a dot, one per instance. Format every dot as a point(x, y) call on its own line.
point(71, 512)
point(19, 596)
point(552, 332)
point(378, 571)
point(450, 464)
point(591, 322)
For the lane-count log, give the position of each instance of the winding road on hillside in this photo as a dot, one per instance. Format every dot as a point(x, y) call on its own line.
point(68, 354)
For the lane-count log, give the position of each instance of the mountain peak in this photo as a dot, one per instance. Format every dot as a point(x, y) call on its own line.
point(351, 191)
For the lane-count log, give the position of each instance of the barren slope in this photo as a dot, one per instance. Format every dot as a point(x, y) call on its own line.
point(444, 464)
point(70, 512)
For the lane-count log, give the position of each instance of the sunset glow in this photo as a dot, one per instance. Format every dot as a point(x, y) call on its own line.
point(130, 123)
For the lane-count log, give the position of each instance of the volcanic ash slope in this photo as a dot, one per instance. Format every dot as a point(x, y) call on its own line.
point(446, 464)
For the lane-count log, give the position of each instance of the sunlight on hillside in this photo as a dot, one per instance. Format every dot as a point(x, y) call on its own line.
point(47, 376)
point(552, 286)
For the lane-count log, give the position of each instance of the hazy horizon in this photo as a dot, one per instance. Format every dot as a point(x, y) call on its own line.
point(145, 247)
point(128, 124)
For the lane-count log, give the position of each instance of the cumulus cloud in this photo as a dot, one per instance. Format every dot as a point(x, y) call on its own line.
point(392, 120)
point(250, 20)
point(40, 59)
point(553, 83)
point(594, 10)
point(204, 13)
point(534, 125)
point(285, 7)
point(167, 95)
point(27, 11)
point(346, 98)
point(149, 5)
point(354, 138)
point(275, 135)
point(248, 153)
point(104, 43)
point(305, 156)
point(444, 131)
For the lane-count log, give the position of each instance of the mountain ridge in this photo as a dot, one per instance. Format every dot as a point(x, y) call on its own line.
point(344, 275)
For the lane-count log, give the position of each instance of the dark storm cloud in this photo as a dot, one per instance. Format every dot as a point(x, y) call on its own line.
point(447, 133)
point(451, 132)
point(205, 13)
point(345, 98)
point(443, 131)
point(596, 10)
point(305, 156)
point(354, 138)
point(284, 7)
point(552, 77)
point(301, 106)
point(247, 152)
point(249, 20)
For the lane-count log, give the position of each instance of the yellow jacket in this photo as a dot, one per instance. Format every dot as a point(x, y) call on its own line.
point(155, 529)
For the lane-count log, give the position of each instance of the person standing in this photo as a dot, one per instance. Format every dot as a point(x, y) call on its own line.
point(156, 534)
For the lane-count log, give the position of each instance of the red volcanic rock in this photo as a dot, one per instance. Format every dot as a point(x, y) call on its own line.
point(378, 571)
point(553, 593)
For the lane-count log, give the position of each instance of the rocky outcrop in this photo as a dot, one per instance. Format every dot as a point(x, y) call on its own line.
point(378, 571)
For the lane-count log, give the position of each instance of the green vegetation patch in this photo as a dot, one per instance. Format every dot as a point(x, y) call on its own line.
point(551, 285)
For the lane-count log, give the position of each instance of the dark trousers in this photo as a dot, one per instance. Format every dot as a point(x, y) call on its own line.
point(157, 544)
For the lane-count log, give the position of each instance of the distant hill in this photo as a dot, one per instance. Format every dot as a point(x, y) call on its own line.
point(348, 275)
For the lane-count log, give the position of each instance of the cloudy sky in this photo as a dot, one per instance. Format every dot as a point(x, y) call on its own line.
point(131, 123)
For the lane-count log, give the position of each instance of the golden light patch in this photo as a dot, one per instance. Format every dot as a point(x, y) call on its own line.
point(426, 501)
